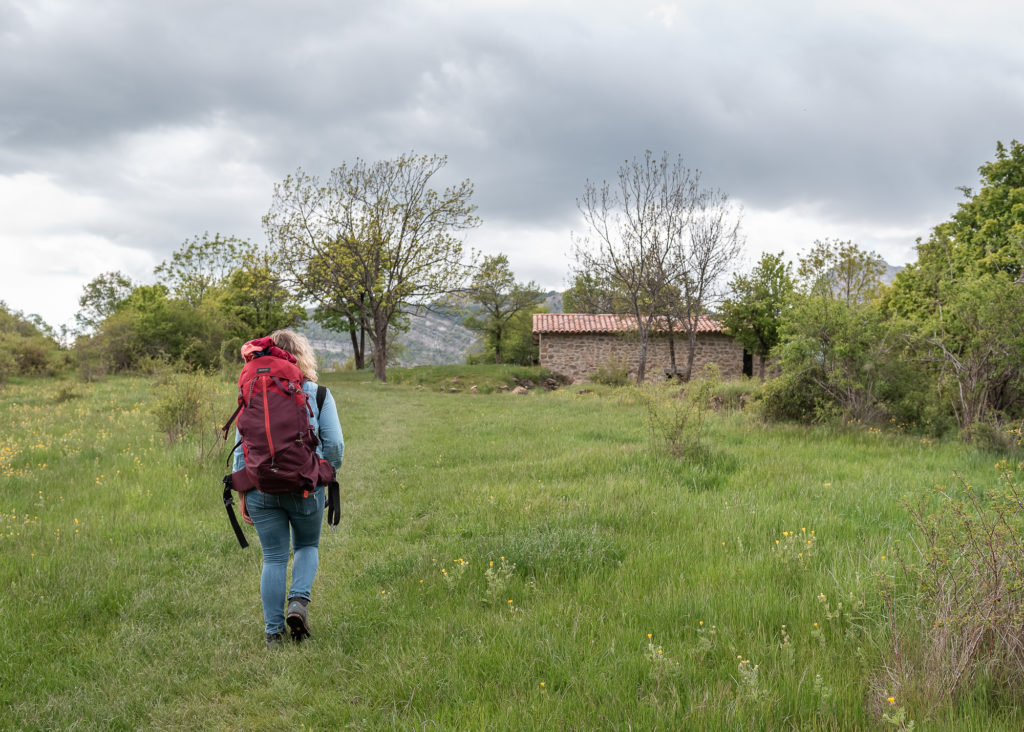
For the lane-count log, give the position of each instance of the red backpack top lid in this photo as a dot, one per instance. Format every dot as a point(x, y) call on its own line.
point(265, 347)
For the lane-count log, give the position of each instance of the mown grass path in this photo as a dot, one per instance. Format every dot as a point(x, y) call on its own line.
point(644, 590)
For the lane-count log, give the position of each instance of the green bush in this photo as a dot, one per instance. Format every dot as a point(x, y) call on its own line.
point(736, 394)
point(29, 345)
point(990, 435)
point(186, 405)
point(791, 397)
point(611, 373)
point(677, 415)
point(962, 619)
point(231, 355)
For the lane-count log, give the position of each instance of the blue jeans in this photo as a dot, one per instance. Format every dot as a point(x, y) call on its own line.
point(275, 517)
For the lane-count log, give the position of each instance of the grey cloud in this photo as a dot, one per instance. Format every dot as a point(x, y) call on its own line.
point(863, 115)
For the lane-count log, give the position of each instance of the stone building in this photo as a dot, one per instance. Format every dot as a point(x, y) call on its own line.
point(576, 345)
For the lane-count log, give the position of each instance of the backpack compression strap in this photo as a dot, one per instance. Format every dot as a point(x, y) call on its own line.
point(228, 503)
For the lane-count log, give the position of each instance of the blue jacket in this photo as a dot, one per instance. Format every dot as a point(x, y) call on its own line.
point(326, 425)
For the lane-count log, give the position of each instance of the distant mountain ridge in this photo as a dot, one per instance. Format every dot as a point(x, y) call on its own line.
point(433, 338)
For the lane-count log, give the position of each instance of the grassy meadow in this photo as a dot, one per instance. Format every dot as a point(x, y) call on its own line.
point(503, 562)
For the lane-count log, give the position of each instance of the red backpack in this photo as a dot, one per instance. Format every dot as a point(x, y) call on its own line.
point(277, 439)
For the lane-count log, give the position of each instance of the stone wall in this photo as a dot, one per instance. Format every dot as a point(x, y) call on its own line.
point(579, 355)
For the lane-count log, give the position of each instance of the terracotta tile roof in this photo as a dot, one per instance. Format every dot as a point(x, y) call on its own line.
point(584, 323)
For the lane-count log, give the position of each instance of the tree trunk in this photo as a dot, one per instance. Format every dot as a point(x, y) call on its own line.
point(641, 368)
point(671, 348)
point(361, 358)
point(692, 352)
point(760, 368)
point(497, 346)
point(380, 348)
point(357, 354)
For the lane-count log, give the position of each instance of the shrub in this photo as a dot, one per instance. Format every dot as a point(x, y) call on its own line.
point(8, 366)
point(735, 394)
point(92, 362)
point(792, 397)
point(611, 373)
point(966, 608)
point(185, 405)
point(990, 435)
point(30, 346)
point(231, 355)
point(676, 415)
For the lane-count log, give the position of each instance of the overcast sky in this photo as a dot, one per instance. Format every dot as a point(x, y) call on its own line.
point(130, 126)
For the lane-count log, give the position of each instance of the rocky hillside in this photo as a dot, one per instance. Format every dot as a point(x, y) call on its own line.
point(432, 339)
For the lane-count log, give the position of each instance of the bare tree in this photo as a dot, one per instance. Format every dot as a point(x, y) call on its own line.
point(636, 230)
point(662, 243)
point(378, 234)
point(711, 249)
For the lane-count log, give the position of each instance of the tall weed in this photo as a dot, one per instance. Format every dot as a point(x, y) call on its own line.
point(186, 405)
point(968, 592)
point(677, 415)
point(611, 373)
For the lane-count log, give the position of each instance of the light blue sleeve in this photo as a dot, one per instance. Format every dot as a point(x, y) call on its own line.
point(239, 456)
point(332, 441)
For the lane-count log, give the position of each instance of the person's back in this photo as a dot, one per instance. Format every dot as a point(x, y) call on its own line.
point(290, 521)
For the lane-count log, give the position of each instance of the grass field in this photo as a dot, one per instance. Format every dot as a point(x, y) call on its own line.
point(628, 590)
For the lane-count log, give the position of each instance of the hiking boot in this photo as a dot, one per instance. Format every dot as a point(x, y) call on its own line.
point(273, 640)
point(297, 617)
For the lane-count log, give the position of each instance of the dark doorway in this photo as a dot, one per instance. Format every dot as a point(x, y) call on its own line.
point(748, 364)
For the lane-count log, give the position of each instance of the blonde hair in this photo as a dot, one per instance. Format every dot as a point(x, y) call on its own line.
point(297, 345)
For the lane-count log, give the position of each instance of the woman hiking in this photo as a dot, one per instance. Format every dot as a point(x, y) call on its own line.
point(291, 520)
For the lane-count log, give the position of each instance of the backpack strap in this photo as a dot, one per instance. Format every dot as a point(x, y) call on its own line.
point(321, 395)
point(227, 426)
point(228, 503)
point(333, 503)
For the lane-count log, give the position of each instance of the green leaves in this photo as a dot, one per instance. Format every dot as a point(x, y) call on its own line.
point(374, 239)
point(757, 304)
point(502, 300)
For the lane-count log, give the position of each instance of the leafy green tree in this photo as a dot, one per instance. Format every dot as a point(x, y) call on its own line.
point(841, 271)
point(100, 298)
point(27, 346)
point(347, 315)
point(984, 236)
point(519, 346)
point(257, 301)
point(494, 288)
point(590, 293)
point(330, 279)
point(376, 230)
point(757, 303)
point(202, 263)
point(964, 293)
point(151, 325)
point(976, 345)
point(840, 352)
